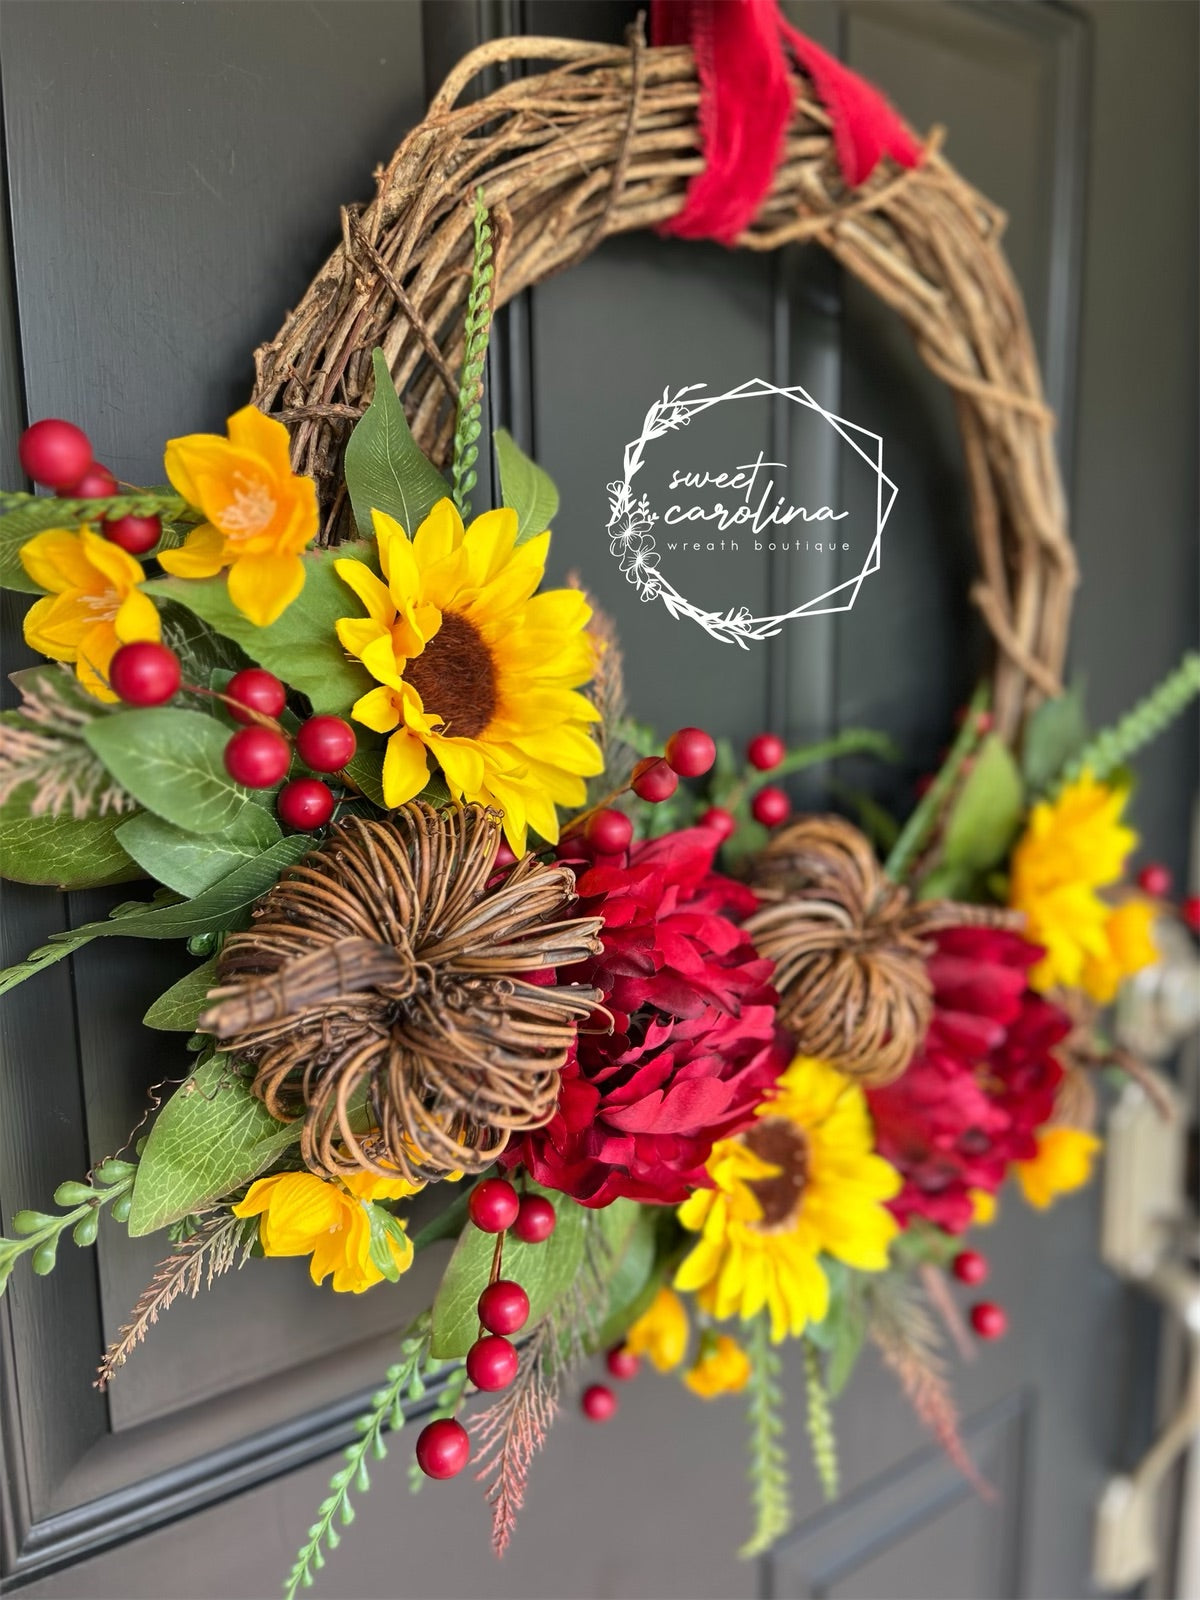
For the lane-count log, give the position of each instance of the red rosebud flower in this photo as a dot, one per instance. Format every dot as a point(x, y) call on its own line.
point(694, 1047)
point(982, 1083)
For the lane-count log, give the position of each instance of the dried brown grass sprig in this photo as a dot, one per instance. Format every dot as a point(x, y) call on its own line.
point(604, 140)
point(849, 947)
point(383, 994)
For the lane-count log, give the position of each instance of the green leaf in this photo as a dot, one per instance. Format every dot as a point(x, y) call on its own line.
point(365, 771)
point(385, 470)
point(176, 1010)
point(544, 1271)
point(301, 647)
point(385, 1230)
point(634, 1279)
point(172, 762)
point(210, 1137)
point(226, 905)
point(190, 863)
point(525, 487)
point(988, 810)
point(64, 852)
point(1055, 733)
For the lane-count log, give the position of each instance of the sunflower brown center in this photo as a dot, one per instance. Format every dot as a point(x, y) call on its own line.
point(456, 678)
point(783, 1144)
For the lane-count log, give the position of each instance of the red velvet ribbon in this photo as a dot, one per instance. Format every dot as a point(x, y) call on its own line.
point(741, 49)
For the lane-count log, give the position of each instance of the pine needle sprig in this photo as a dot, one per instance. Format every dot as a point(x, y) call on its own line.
point(770, 1483)
point(44, 745)
point(1113, 747)
point(903, 1330)
point(219, 1243)
point(476, 329)
point(405, 1382)
point(514, 1428)
point(820, 1423)
point(511, 1431)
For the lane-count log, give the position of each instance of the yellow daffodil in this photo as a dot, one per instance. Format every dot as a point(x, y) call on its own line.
point(475, 668)
point(259, 513)
point(1073, 845)
point(661, 1332)
point(1063, 1162)
point(302, 1215)
point(1129, 941)
point(801, 1181)
point(721, 1367)
point(94, 605)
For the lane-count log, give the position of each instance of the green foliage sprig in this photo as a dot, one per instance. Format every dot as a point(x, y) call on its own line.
point(111, 1184)
point(1113, 747)
point(820, 1423)
point(405, 1383)
point(770, 1485)
point(476, 329)
point(920, 825)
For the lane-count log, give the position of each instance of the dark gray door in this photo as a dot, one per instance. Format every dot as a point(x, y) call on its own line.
point(174, 173)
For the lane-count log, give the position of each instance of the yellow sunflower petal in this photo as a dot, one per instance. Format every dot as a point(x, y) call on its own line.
point(372, 591)
point(377, 710)
point(405, 768)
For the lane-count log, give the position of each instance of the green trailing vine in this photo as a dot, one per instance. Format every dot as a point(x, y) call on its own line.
point(110, 1185)
point(1114, 746)
point(820, 1423)
point(476, 328)
point(770, 1485)
point(405, 1382)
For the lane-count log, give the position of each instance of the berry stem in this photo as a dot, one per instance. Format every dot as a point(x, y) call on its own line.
point(920, 825)
point(850, 742)
point(260, 717)
point(582, 818)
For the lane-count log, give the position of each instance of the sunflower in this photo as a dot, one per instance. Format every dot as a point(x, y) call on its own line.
point(475, 668)
point(801, 1180)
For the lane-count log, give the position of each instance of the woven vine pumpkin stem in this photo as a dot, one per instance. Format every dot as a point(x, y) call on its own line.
point(604, 141)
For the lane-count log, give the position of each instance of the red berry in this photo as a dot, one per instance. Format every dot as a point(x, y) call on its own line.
point(97, 483)
point(258, 691)
point(770, 806)
point(144, 673)
point(257, 757)
point(493, 1206)
point(765, 750)
point(989, 1320)
point(536, 1219)
point(443, 1448)
point(305, 804)
point(55, 453)
point(1155, 880)
point(1190, 912)
point(653, 780)
point(609, 832)
point(722, 822)
point(969, 1266)
point(325, 743)
point(691, 751)
point(598, 1402)
point(492, 1363)
point(504, 854)
point(622, 1363)
point(504, 1307)
point(134, 535)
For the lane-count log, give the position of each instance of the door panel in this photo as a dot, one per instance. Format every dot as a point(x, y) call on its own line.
point(156, 239)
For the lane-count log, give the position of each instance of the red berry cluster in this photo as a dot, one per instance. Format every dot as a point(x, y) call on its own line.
point(989, 1320)
point(689, 753)
point(58, 455)
point(259, 754)
point(598, 1402)
point(444, 1448)
point(770, 806)
point(1155, 880)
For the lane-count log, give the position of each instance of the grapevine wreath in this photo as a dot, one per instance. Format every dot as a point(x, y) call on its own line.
point(694, 1075)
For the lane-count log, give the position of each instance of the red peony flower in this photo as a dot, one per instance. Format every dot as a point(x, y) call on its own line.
point(694, 1047)
point(983, 1081)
